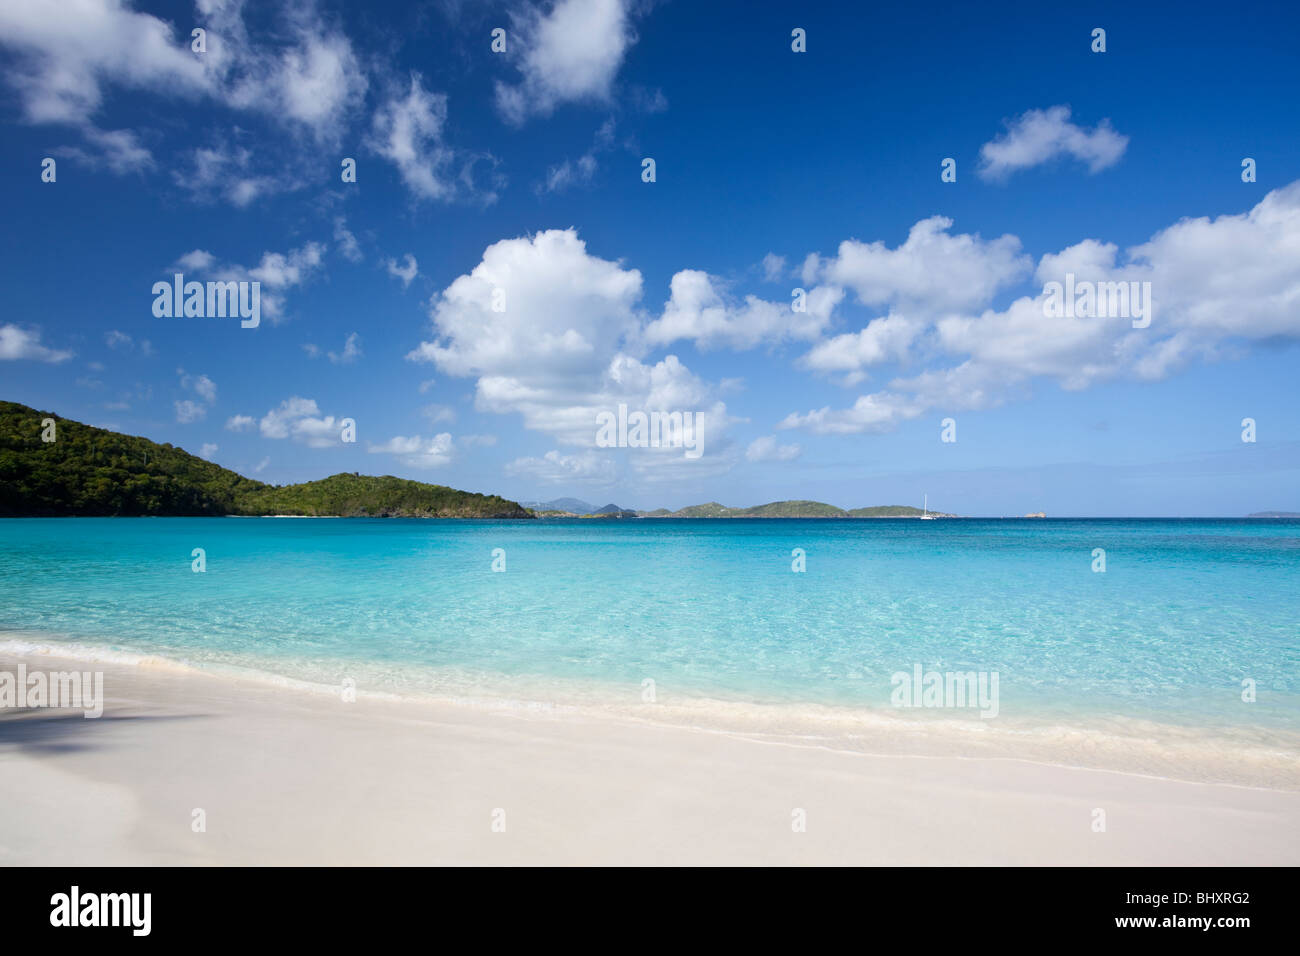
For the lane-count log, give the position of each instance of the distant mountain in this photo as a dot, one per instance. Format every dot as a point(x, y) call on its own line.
point(576, 506)
point(571, 505)
point(1275, 514)
point(92, 471)
point(789, 509)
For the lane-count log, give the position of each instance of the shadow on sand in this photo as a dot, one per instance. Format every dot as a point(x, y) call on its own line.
point(49, 730)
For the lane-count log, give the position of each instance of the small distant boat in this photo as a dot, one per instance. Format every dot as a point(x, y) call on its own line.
point(925, 510)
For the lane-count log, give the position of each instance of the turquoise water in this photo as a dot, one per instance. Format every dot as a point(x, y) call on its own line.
point(706, 609)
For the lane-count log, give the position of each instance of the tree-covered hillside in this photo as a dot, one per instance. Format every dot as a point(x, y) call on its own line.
point(92, 471)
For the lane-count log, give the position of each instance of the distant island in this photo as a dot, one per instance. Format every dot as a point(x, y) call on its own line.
point(1275, 514)
point(791, 509)
point(94, 472)
point(576, 508)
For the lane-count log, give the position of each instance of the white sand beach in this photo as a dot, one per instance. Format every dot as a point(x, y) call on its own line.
point(287, 776)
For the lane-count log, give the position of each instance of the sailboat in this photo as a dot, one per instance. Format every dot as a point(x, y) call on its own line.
point(925, 511)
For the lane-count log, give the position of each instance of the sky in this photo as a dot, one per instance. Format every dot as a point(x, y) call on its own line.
point(502, 272)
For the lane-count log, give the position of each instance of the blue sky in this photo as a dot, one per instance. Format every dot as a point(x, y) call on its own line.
point(775, 170)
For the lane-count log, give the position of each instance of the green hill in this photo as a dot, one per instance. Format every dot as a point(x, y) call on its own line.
point(91, 471)
point(890, 511)
point(710, 510)
point(792, 509)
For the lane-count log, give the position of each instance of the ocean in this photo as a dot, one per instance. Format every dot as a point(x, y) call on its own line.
point(1189, 638)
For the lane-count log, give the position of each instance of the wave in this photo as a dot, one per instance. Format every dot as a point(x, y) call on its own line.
point(1245, 756)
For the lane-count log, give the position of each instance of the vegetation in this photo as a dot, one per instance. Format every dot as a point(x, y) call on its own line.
point(91, 471)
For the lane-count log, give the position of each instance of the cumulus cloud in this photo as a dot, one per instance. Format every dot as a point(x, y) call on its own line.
point(240, 423)
point(278, 272)
point(408, 131)
point(406, 271)
point(582, 170)
point(884, 339)
point(120, 341)
point(418, 452)
point(305, 74)
point(300, 419)
point(588, 467)
point(1215, 284)
point(346, 242)
point(17, 343)
point(773, 266)
point(1040, 136)
point(66, 60)
point(932, 271)
point(118, 150)
point(351, 351)
point(699, 310)
point(438, 413)
point(203, 386)
point(570, 53)
point(226, 172)
point(188, 410)
point(563, 344)
point(767, 449)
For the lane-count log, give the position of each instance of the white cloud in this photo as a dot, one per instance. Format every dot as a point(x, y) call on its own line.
point(570, 53)
point(698, 310)
point(407, 130)
point(351, 351)
point(880, 412)
point(199, 260)
point(16, 343)
point(208, 450)
point(65, 55)
point(773, 267)
point(300, 419)
point(305, 73)
point(201, 385)
point(1039, 136)
point(407, 271)
point(117, 150)
point(225, 172)
point(418, 452)
point(767, 449)
point(582, 170)
point(438, 413)
point(885, 339)
point(570, 173)
point(588, 467)
point(565, 313)
point(932, 271)
point(1216, 285)
point(347, 242)
point(240, 423)
point(188, 411)
point(567, 346)
point(276, 271)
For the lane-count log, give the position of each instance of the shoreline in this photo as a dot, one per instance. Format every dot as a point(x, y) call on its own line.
point(285, 775)
point(1140, 747)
